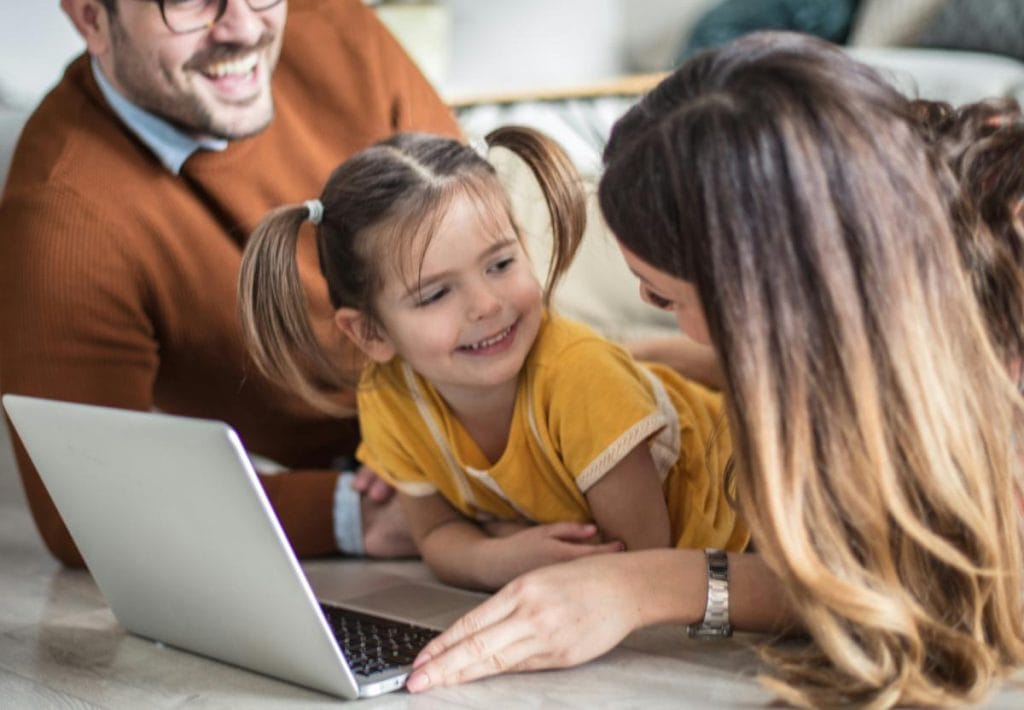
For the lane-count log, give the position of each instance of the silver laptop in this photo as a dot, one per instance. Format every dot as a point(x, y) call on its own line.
point(182, 542)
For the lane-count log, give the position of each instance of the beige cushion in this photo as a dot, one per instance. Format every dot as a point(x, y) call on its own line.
point(655, 30)
point(880, 23)
point(946, 75)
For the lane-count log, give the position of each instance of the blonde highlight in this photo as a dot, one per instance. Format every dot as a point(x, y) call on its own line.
point(877, 461)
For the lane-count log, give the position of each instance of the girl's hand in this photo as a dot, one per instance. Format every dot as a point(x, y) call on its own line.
point(541, 545)
point(504, 528)
point(553, 617)
point(368, 484)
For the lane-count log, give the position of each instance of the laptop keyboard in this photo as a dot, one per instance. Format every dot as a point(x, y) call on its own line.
point(372, 644)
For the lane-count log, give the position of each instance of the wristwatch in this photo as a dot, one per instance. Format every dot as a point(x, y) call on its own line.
point(716, 612)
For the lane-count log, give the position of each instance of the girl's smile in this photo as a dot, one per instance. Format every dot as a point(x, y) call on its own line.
point(493, 345)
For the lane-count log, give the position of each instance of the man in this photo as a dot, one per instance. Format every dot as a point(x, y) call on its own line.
point(131, 194)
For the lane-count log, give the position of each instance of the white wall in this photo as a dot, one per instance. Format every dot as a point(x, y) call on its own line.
point(511, 45)
point(497, 46)
point(37, 40)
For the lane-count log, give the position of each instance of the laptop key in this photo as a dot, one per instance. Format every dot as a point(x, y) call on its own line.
point(374, 644)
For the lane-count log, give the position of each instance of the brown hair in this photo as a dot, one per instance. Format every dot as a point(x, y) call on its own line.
point(875, 430)
point(983, 145)
point(394, 189)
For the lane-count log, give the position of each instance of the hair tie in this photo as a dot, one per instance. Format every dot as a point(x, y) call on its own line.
point(315, 209)
point(479, 145)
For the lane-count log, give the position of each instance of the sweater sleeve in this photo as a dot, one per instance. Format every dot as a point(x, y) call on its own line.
point(72, 324)
point(75, 325)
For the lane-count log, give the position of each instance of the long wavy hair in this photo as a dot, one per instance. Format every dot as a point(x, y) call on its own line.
point(374, 206)
point(982, 144)
point(876, 432)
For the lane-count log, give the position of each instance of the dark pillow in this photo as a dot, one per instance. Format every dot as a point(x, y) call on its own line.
point(830, 19)
point(979, 26)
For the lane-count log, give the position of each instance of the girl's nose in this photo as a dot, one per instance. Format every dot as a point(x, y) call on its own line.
point(484, 304)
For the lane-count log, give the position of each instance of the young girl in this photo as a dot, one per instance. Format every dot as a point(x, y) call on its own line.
point(488, 413)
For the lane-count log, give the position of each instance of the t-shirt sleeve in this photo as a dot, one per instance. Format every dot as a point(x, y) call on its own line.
point(390, 441)
point(600, 405)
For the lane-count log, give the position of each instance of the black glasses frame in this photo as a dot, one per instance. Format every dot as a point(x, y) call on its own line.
point(222, 6)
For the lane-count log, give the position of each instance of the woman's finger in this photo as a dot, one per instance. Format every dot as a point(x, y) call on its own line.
point(494, 610)
point(466, 662)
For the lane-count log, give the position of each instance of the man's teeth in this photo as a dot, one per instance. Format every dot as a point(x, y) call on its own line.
point(242, 66)
point(490, 341)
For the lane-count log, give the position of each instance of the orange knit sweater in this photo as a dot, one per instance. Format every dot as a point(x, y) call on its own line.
point(117, 278)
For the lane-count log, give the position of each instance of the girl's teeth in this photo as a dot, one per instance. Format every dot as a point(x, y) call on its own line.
point(490, 341)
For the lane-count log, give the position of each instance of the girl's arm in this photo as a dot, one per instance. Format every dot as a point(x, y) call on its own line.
point(567, 614)
point(687, 357)
point(462, 554)
point(629, 505)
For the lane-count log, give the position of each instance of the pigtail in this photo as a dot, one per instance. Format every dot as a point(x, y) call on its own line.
point(561, 185)
point(274, 312)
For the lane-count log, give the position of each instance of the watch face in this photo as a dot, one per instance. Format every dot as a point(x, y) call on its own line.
point(709, 632)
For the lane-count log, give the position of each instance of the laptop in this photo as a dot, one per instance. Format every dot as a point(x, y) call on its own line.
point(182, 542)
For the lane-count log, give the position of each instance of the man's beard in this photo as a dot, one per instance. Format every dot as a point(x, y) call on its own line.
point(185, 110)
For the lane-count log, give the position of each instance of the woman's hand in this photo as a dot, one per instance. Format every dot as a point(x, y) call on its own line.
point(553, 617)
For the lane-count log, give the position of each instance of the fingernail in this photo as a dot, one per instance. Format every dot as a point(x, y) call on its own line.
point(417, 682)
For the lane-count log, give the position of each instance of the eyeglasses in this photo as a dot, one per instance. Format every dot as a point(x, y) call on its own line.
point(184, 16)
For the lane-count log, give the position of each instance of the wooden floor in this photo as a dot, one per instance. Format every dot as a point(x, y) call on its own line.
point(61, 647)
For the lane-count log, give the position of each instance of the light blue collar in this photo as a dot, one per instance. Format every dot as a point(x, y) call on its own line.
point(169, 144)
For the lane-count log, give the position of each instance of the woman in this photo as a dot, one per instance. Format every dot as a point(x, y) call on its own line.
point(798, 226)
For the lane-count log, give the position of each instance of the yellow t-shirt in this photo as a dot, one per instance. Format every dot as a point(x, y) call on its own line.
point(582, 404)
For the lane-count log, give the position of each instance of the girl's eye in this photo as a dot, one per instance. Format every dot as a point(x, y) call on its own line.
point(431, 297)
point(656, 300)
point(502, 264)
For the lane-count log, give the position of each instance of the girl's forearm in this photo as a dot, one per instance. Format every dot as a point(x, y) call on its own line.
point(456, 552)
point(687, 357)
point(628, 503)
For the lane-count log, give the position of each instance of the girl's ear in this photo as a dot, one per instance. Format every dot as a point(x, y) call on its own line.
point(371, 341)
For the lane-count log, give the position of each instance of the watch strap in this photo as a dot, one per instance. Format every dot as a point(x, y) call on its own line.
point(716, 611)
